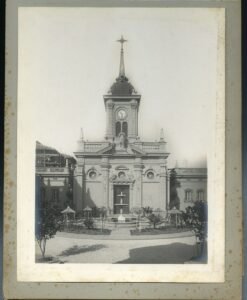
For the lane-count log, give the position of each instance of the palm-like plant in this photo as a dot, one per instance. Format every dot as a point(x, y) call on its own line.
point(137, 211)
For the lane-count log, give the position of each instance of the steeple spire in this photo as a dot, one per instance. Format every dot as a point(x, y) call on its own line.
point(122, 86)
point(121, 67)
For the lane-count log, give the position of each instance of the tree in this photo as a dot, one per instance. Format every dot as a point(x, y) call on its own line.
point(174, 184)
point(137, 211)
point(95, 211)
point(154, 219)
point(196, 217)
point(46, 223)
point(147, 211)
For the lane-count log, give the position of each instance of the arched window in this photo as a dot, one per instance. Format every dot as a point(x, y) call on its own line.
point(125, 128)
point(118, 128)
point(188, 195)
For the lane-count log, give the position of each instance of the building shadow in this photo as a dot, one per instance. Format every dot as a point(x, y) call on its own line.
point(79, 193)
point(176, 253)
point(78, 250)
point(88, 199)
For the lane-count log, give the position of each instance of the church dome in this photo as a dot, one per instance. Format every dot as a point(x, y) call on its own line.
point(122, 87)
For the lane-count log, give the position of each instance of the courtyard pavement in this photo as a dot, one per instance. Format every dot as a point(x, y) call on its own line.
point(72, 248)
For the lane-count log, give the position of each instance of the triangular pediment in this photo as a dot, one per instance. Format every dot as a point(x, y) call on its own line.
point(106, 150)
point(131, 149)
point(137, 150)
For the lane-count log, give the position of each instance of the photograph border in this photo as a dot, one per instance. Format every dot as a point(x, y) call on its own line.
point(232, 285)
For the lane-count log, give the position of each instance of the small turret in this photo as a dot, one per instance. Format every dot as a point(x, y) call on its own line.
point(162, 137)
point(80, 143)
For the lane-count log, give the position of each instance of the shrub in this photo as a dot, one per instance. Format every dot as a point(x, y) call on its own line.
point(147, 210)
point(89, 223)
point(154, 219)
point(137, 211)
point(103, 213)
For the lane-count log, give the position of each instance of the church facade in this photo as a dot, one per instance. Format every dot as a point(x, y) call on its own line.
point(122, 171)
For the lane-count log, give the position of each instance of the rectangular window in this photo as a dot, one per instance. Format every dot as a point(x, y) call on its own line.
point(200, 195)
point(188, 195)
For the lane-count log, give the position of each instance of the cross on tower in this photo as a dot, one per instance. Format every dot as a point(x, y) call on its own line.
point(122, 41)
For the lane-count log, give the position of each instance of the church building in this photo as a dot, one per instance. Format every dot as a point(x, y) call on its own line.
point(122, 171)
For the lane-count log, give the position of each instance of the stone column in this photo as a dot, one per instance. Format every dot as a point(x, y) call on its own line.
point(105, 166)
point(133, 120)
point(138, 167)
point(131, 204)
point(109, 119)
point(163, 185)
point(111, 191)
point(167, 189)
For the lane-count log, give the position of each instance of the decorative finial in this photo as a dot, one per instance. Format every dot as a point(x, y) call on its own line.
point(121, 68)
point(82, 135)
point(185, 163)
point(80, 142)
point(162, 138)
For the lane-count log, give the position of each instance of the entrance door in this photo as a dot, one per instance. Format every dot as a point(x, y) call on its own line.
point(121, 199)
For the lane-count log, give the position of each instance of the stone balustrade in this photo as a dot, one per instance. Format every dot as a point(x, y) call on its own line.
point(153, 147)
point(53, 170)
point(94, 146)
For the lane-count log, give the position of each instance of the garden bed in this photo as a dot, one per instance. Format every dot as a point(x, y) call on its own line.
point(93, 231)
point(156, 231)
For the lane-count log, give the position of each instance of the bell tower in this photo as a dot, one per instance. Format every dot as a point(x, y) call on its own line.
point(122, 105)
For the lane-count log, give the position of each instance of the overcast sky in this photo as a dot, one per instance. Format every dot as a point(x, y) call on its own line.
point(69, 58)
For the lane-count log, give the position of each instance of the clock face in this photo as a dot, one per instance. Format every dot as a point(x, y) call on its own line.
point(121, 114)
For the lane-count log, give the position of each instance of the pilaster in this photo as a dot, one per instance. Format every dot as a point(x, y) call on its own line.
point(78, 185)
point(133, 119)
point(109, 117)
point(167, 189)
point(131, 200)
point(138, 167)
point(105, 167)
point(163, 185)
